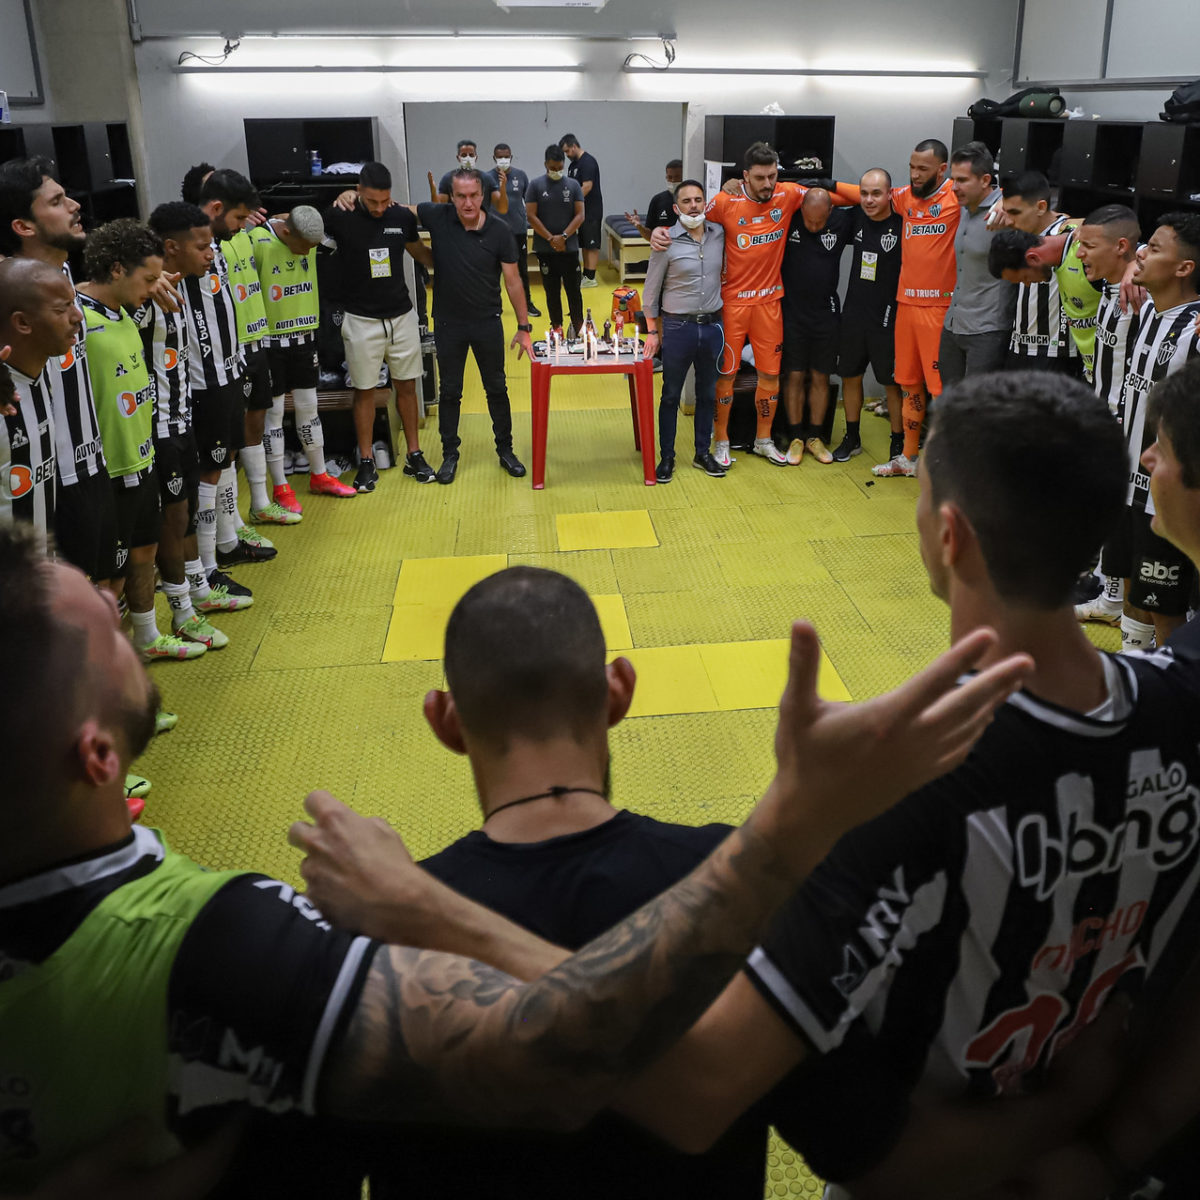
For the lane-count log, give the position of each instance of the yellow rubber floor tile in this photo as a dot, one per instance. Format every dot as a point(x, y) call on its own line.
point(501, 535)
point(753, 674)
point(670, 679)
point(443, 580)
point(605, 530)
point(591, 569)
point(665, 569)
point(416, 632)
point(333, 638)
point(795, 562)
point(774, 523)
point(719, 527)
point(685, 618)
point(613, 621)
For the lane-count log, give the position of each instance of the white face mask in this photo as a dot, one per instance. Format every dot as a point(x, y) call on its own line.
point(466, 160)
point(555, 175)
point(692, 220)
point(504, 163)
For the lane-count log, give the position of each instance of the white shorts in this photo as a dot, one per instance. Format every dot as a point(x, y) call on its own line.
point(371, 341)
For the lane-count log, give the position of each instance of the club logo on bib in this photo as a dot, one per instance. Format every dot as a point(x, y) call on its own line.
point(214, 284)
point(127, 402)
point(242, 294)
point(829, 240)
point(170, 359)
point(20, 481)
point(887, 243)
point(218, 454)
point(175, 486)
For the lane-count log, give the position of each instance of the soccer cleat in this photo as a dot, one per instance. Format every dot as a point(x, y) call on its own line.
point(366, 477)
point(765, 448)
point(899, 464)
point(722, 455)
point(198, 629)
point(137, 787)
point(849, 447)
point(666, 470)
point(245, 552)
point(168, 647)
point(709, 465)
point(1100, 609)
point(818, 450)
point(251, 537)
point(329, 485)
point(795, 452)
point(225, 596)
point(135, 806)
point(416, 466)
point(165, 721)
point(285, 497)
point(275, 514)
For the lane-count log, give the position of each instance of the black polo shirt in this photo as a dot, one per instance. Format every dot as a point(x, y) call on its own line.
point(466, 263)
point(585, 169)
point(812, 263)
point(369, 261)
point(661, 210)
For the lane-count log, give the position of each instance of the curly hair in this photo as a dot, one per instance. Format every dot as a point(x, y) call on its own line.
point(125, 242)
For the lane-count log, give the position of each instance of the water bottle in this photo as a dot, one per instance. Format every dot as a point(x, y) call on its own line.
point(314, 162)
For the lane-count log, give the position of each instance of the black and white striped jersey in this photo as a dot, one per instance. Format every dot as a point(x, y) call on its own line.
point(1040, 325)
point(216, 357)
point(958, 941)
point(166, 349)
point(77, 432)
point(1163, 343)
point(1113, 330)
point(27, 454)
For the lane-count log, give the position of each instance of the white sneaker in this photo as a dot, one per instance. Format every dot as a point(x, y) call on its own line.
point(765, 448)
point(722, 455)
point(1099, 609)
point(300, 463)
point(585, 282)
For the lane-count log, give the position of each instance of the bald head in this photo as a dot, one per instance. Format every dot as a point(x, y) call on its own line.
point(38, 314)
point(25, 286)
point(815, 209)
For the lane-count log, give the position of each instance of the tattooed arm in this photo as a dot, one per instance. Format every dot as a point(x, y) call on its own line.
point(445, 1037)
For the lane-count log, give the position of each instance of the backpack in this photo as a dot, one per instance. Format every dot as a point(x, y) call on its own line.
point(1032, 102)
point(1183, 104)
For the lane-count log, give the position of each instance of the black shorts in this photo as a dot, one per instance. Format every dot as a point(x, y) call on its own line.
point(1161, 577)
point(177, 466)
point(810, 343)
point(85, 525)
point(867, 342)
point(139, 518)
point(258, 371)
point(1064, 364)
point(219, 423)
point(293, 367)
point(589, 234)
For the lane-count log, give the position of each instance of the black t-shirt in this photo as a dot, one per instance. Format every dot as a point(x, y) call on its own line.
point(369, 275)
point(586, 169)
point(1185, 641)
point(875, 268)
point(812, 263)
point(660, 210)
point(568, 890)
point(466, 263)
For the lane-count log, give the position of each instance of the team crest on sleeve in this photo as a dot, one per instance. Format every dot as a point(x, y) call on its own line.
point(887, 243)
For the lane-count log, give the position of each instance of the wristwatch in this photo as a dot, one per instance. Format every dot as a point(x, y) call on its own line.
point(525, 328)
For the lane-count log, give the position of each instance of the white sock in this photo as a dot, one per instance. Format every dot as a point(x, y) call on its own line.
point(273, 442)
point(227, 513)
point(1114, 589)
point(206, 525)
point(308, 426)
point(1135, 635)
point(254, 463)
point(145, 627)
point(197, 579)
point(180, 599)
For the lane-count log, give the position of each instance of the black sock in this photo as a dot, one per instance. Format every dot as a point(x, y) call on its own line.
point(896, 446)
point(589, 274)
point(852, 430)
point(369, 459)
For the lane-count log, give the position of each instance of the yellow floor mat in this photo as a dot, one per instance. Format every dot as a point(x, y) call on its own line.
point(322, 682)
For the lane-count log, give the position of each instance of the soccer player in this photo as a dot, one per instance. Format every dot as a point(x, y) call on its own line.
point(144, 986)
point(869, 313)
point(555, 207)
point(514, 183)
point(812, 263)
point(585, 170)
point(1158, 576)
point(370, 235)
point(285, 257)
point(661, 209)
point(39, 221)
point(931, 213)
point(39, 320)
point(1108, 242)
point(186, 236)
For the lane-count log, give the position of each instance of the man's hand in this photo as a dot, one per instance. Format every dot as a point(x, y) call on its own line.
point(1132, 296)
point(731, 187)
point(651, 344)
point(346, 200)
point(660, 239)
point(164, 294)
point(258, 217)
point(558, 242)
point(633, 218)
point(522, 343)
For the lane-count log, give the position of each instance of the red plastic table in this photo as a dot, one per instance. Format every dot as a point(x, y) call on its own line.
point(639, 373)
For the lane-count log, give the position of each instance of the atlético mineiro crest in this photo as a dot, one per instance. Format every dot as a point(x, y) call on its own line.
point(887, 243)
point(1166, 352)
point(175, 486)
point(935, 210)
point(829, 240)
point(776, 214)
point(219, 454)
point(122, 556)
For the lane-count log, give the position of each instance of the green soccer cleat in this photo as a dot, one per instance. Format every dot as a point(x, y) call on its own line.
point(251, 537)
point(198, 629)
point(168, 646)
point(275, 514)
point(136, 787)
point(165, 721)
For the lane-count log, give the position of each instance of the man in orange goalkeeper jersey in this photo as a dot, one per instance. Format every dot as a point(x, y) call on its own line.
point(931, 212)
point(755, 219)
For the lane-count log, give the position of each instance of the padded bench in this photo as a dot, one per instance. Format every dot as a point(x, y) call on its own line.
point(342, 400)
point(627, 250)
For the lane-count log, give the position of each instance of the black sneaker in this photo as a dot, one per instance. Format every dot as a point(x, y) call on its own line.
point(666, 470)
point(245, 552)
point(416, 466)
point(709, 465)
point(448, 469)
point(218, 578)
point(366, 477)
point(849, 447)
point(533, 311)
point(511, 463)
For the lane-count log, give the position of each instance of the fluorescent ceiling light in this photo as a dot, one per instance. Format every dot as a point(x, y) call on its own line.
point(863, 73)
point(383, 69)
